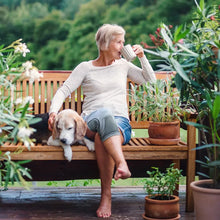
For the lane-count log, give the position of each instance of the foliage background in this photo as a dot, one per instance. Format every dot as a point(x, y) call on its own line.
point(60, 33)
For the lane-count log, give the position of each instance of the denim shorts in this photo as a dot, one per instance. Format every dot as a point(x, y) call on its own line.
point(125, 128)
point(122, 123)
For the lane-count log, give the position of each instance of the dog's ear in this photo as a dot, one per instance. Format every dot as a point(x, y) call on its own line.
point(55, 133)
point(80, 130)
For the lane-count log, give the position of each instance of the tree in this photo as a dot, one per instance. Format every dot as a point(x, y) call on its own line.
point(54, 53)
point(70, 8)
point(24, 19)
point(80, 43)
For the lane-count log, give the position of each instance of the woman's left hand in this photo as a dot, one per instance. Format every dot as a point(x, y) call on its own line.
point(138, 49)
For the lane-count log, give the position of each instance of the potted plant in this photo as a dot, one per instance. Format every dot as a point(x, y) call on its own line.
point(209, 189)
point(158, 102)
point(160, 203)
point(189, 52)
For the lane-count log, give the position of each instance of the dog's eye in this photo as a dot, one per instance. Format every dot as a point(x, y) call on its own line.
point(70, 128)
point(58, 129)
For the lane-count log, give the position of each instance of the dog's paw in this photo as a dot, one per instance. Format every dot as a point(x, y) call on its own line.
point(49, 140)
point(89, 144)
point(53, 142)
point(67, 152)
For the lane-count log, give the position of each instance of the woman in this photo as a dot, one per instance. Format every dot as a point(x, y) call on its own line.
point(105, 108)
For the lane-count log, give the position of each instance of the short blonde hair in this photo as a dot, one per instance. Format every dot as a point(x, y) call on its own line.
point(106, 33)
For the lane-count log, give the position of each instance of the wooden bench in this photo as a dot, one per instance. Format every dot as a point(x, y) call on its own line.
point(48, 162)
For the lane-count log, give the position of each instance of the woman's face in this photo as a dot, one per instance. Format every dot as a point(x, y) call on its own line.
point(116, 45)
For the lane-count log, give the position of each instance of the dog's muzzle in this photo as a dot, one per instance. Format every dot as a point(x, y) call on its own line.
point(63, 140)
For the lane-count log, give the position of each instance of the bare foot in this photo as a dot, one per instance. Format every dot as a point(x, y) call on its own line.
point(104, 210)
point(122, 173)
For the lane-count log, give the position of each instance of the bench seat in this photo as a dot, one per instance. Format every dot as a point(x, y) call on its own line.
point(136, 149)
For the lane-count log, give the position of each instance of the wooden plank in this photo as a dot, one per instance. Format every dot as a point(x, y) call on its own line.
point(24, 88)
point(42, 97)
point(36, 97)
point(66, 103)
point(79, 101)
point(49, 95)
point(79, 148)
point(140, 124)
point(72, 105)
point(87, 155)
point(135, 152)
point(30, 92)
point(155, 155)
point(191, 168)
point(51, 155)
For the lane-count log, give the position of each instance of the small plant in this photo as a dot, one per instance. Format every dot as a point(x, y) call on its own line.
point(157, 101)
point(11, 172)
point(159, 185)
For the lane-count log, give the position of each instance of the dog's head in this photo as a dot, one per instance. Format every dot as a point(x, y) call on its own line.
point(69, 127)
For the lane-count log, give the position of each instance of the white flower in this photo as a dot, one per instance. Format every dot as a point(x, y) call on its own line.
point(18, 101)
point(24, 101)
point(27, 73)
point(28, 144)
point(27, 65)
point(24, 136)
point(24, 132)
point(8, 155)
point(14, 69)
point(22, 48)
point(34, 75)
point(29, 99)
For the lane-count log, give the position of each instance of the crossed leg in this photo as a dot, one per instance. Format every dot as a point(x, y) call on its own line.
point(108, 154)
point(106, 169)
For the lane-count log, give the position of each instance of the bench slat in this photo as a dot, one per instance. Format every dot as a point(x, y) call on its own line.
point(137, 149)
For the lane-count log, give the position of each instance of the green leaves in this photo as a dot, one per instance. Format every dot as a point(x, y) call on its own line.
point(164, 31)
point(156, 101)
point(11, 171)
point(179, 33)
point(161, 183)
point(216, 107)
point(179, 69)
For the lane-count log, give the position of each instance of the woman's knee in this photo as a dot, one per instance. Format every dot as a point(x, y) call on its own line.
point(103, 122)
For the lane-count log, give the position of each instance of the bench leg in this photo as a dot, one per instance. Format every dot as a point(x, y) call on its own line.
point(191, 167)
point(177, 165)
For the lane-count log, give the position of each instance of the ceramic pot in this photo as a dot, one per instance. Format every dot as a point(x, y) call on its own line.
point(164, 133)
point(161, 209)
point(206, 200)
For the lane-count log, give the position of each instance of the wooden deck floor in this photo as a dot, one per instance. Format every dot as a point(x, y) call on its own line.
point(75, 203)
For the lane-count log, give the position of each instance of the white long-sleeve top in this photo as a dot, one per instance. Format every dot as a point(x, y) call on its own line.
point(103, 86)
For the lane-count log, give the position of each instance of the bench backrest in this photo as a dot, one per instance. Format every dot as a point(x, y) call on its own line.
point(43, 91)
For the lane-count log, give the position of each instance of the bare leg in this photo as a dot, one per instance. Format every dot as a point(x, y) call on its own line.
point(113, 147)
point(107, 153)
point(106, 169)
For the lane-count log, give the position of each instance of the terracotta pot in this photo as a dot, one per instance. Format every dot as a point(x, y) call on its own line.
point(164, 133)
point(206, 200)
point(161, 209)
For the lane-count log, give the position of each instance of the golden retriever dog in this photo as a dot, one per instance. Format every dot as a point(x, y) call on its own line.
point(69, 128)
